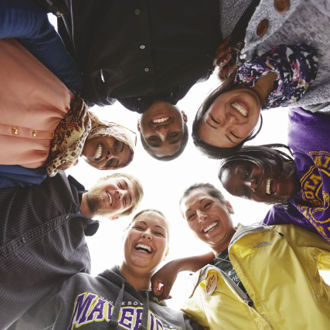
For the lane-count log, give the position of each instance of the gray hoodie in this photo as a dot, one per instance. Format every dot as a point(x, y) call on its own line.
point(106, 301)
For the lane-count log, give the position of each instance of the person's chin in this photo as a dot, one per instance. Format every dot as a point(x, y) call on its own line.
point(286, 190)
point(141, 261)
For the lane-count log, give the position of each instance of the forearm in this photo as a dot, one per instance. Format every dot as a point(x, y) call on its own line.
point(18, 176)
point(193, 263)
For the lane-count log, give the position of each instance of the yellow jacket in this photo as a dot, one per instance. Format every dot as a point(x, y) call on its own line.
point(278, 267)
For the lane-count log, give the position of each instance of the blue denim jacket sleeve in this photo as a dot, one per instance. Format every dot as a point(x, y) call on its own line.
point(18, 176)
point(26, 21)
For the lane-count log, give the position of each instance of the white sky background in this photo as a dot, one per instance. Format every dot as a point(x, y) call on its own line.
point(164, 183)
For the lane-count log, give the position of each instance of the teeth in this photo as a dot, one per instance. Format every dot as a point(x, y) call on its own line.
point(161, 120)
point(268, 192)
point(110, 198)
point(143, 247)
point(98, 152)
point(240, 109)
point(210, 227)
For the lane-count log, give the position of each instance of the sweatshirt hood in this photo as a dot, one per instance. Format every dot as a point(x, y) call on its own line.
point(113, 275)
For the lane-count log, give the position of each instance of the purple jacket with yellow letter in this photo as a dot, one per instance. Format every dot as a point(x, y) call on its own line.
point(309, 139)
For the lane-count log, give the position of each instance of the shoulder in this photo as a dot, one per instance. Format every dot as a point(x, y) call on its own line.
point(308, 131)
point(269, 20)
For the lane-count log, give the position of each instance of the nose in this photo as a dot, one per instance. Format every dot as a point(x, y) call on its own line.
point(226, 120)
point(119, 194)
point(147, 234)
point(251, 184)
point(201, 216)
point(110, 155)
point(162, 132)
point(230, 118)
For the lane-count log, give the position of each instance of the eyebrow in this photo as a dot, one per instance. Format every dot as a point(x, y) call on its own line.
point(155, 145)
point(234, 135)
point(158, 226)
point(112, 163)
point(129, 193)
point(228, 138)
point(200, 201)
point(213, 119)
point(171, 142)
point(175, 141)
point(141, 221)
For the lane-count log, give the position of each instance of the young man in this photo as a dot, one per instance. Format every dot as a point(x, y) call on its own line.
point(120, 297)
point(150, 56)
point(163, 130)
point(42, 234)
point(261, 278)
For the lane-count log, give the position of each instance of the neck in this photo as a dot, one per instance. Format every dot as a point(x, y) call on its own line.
point(264, 86)
point(138, 280)
point(84, 208)
point(223, 245)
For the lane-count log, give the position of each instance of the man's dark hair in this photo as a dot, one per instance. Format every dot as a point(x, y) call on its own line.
point(260, 155)
point(209, 150)
point(208, 188)
point(175, 155)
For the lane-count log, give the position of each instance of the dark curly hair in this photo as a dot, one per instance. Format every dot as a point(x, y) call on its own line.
point(260, 155)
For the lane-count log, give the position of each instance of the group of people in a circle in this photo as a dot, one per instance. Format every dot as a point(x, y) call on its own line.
point(147, 55)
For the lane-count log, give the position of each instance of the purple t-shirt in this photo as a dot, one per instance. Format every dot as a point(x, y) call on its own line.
point(309, 139)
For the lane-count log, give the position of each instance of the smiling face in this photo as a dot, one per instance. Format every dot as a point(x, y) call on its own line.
point(106, 153)
point(111, 197)
point(268, 185)
point(231, 118)
point(146, 242)
point(208, 218)
point(162, 129)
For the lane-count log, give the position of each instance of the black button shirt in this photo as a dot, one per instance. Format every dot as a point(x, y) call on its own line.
point(140, 51)
point(42, 242)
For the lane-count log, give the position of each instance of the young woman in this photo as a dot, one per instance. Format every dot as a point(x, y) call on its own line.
point(119, 297)
point(258, 274)
point(44, 124)
point(302, 184)
point(230, 114)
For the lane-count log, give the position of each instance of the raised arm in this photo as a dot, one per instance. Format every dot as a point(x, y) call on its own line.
point(18, 176)
point(163, 280)
point(26, 21)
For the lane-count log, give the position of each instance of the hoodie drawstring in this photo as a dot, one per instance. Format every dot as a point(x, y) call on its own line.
point(115, 314)
point(145, 313)
point(113, 324)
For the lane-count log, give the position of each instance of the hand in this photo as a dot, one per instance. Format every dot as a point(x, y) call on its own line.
point(163, 280)
point(226, 59)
